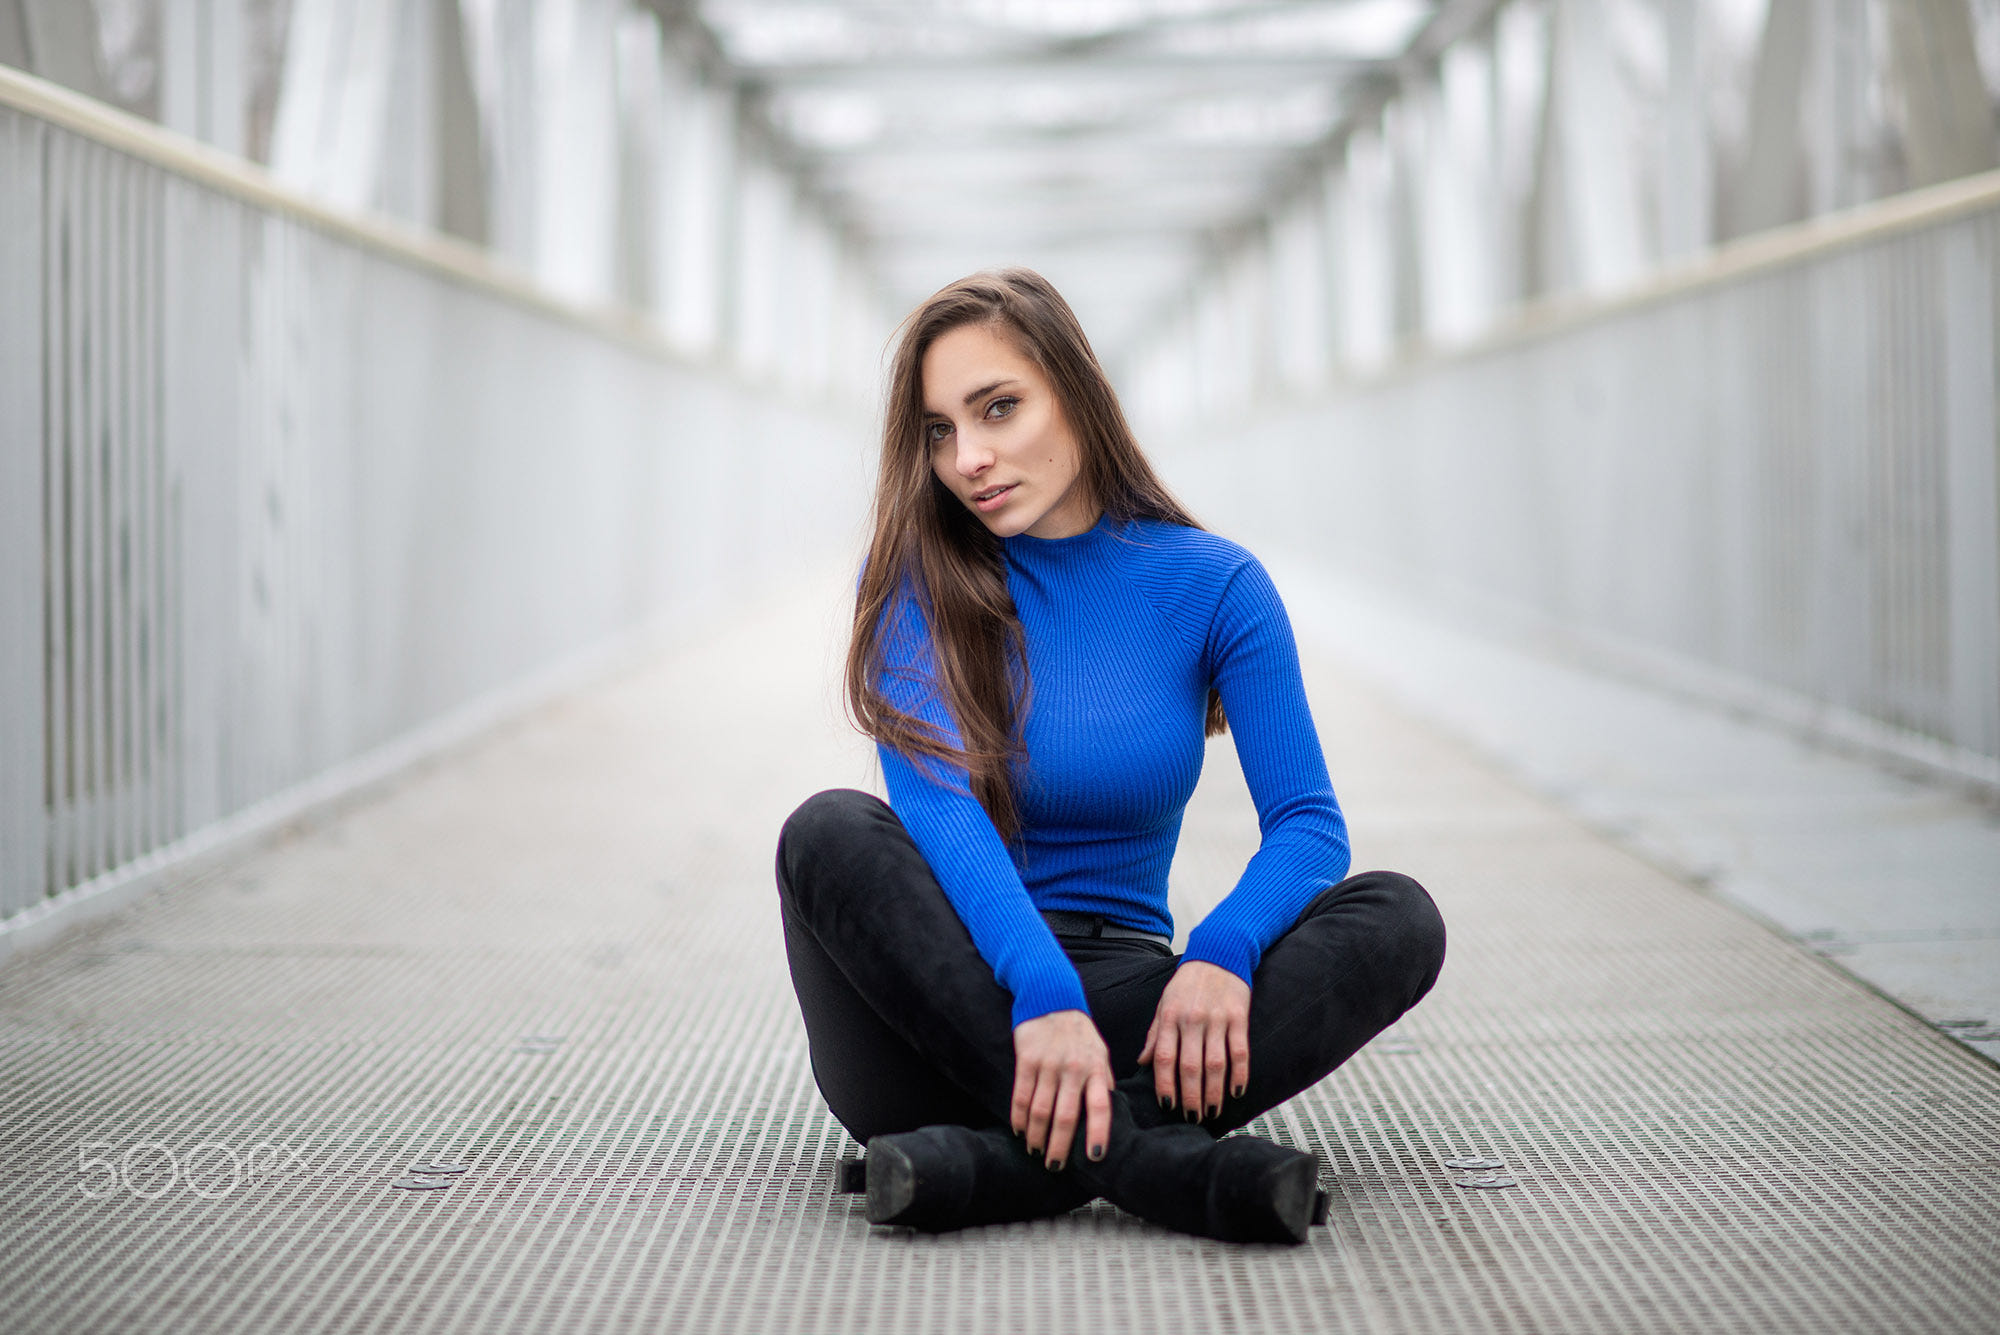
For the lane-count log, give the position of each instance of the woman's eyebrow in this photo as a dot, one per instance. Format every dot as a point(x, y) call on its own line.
point(983, 391)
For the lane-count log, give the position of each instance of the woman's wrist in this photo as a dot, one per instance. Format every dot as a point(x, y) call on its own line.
point(1238, 957)
point(1048, 994)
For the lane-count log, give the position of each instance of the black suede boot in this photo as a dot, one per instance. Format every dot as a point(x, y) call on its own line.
point(1239, 1189)
point(940, 1178)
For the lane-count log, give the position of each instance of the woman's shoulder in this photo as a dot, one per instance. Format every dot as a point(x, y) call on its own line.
point(1195, 549)
point(1184, 573)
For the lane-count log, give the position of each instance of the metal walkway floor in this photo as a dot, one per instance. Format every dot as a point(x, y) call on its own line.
point(554, 958)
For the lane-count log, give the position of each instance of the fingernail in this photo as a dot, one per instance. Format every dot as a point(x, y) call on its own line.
point(1166, 1103)
point(1236, 1093)
point(1215, 1110)
point(1096, 1152)
point(1034, 1152)
point(1192, 1116)
point(1055, 1165)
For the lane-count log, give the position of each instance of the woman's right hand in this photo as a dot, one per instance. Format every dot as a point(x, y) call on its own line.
point(1061, 1069)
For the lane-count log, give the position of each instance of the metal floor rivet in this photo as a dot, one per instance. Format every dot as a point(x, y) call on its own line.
point(1485, 1180)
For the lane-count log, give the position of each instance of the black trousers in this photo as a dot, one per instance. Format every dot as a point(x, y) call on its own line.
point(907, 1026)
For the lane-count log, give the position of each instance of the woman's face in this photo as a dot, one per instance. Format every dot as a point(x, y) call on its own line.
point(998, 439)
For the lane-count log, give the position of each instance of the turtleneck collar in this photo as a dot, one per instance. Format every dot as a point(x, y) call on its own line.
point(1022, 545)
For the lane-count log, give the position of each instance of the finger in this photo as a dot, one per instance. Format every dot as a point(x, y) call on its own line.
point(1191, 1072)
point(1097, 1116)
point(1024, 1092)
point(1152, 1033)
point(1164, 1056)
point(1040, 1109)
point(1239, 1055)
point(1214, 1066)
point(1062, 1126)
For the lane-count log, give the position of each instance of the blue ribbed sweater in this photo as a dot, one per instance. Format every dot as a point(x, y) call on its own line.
point(1126, 627)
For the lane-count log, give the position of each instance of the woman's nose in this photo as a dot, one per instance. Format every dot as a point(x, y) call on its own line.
point(972, 460)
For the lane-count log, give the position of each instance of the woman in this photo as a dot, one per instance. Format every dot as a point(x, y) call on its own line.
point(1042, 641)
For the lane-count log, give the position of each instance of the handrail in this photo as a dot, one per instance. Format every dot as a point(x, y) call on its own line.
point(445, 256)
point(1732, 261)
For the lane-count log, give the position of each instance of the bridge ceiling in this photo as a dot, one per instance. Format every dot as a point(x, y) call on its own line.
point(1105, 142)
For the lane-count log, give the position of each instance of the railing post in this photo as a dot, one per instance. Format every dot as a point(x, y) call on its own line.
point(23, 571)
point(1972, 486)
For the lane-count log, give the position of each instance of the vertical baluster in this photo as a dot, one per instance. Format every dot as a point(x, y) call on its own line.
point(91, 442)
point(56, 214)
point(246, 645)
point(260, 439)
point(24, 531)
point(76, 432)
point(281, 543)
point(141, 342)
point(170, 574)
point(1891, 547)
point(117, 388)
point(157, 769)
point(1883, 637)
point(132, 553)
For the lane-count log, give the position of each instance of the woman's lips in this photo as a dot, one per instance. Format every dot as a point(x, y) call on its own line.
point(986, 501)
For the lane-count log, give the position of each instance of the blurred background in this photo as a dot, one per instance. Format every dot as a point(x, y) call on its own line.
point(368, 367)
point(1317, 186)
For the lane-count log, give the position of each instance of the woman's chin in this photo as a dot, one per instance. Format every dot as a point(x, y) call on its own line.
point(1003, 524)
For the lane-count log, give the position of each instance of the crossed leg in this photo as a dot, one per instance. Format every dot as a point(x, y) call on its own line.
point(908, 1028)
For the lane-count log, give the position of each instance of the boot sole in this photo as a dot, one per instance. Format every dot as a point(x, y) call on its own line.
point(892, 1182)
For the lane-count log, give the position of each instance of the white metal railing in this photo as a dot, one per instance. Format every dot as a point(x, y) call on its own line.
point(1771, 478)
point(281, 488)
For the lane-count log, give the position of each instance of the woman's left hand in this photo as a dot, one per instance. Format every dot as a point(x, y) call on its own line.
point(1199, 1043)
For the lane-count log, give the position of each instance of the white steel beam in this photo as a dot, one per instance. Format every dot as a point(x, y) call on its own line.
point(762, 271)
point(1183, 71)
point(1593, 125)
point(704, 167)
point(62, 45)
point(407, 175)
point(643, 167)
point(333, 101)
point(203, 71)
point(577, 138)
point(1948, 129)
point(1769, 190)
point(1686, 191)
point(14, 35)
point(1298, 293)
point(1366, 275)
point(462, 185)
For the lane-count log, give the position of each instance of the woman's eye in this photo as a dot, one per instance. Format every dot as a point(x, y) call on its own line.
point(1001, 407)
point(937, 432)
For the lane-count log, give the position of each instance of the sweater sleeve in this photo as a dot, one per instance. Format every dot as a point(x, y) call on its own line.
point(1254, 664)
point(934, 800)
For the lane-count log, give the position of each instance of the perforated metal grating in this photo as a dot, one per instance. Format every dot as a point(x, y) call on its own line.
point(555, 959)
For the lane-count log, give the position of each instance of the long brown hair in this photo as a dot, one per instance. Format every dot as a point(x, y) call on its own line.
point(926, 541)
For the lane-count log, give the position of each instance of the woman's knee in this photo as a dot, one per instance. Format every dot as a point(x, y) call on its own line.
point(1422, 928)
point(1409, 924)
point(823, 823)
point(828, 814)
